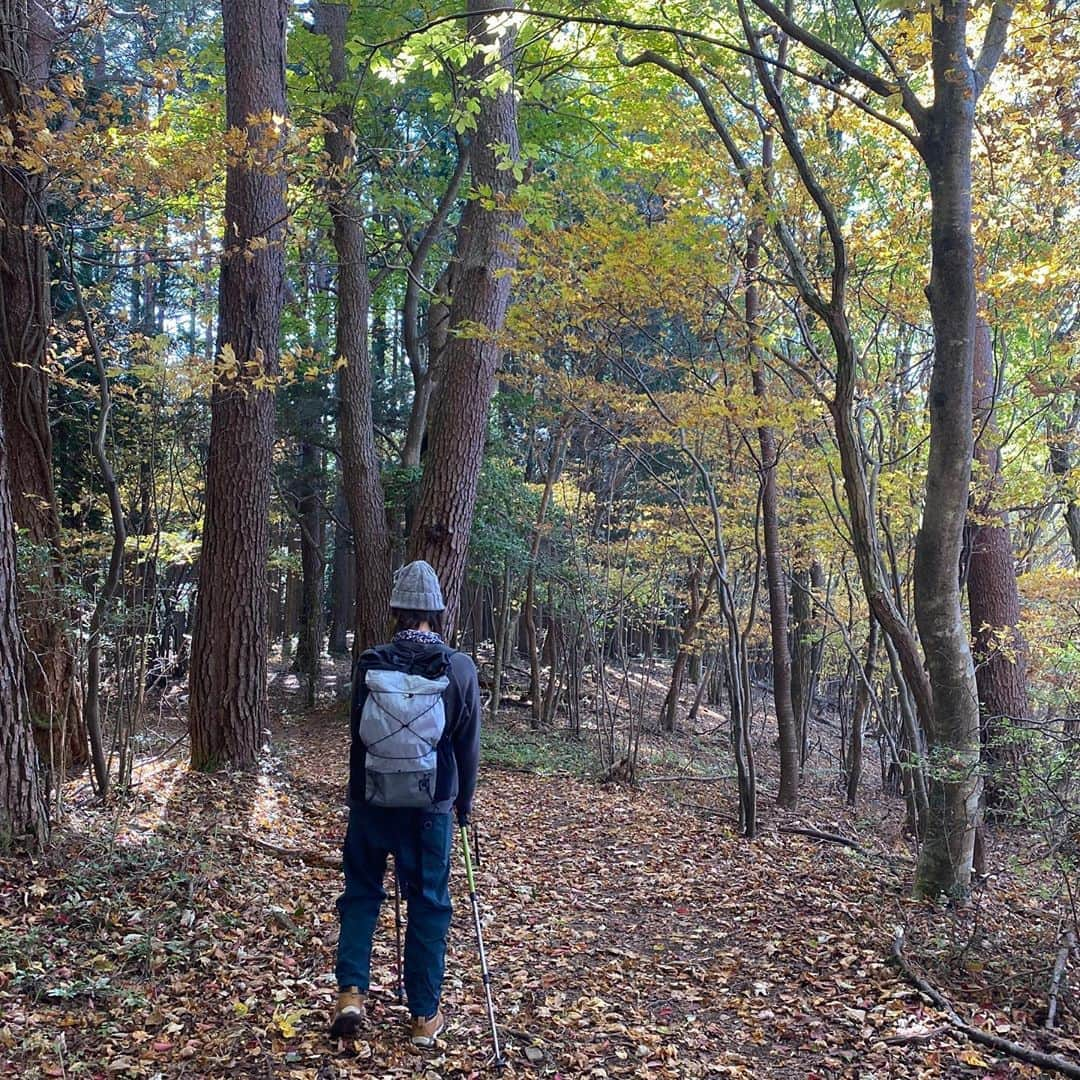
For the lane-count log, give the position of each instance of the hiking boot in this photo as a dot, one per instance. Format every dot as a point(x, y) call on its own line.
point(425, 1030)
point(350, 1016)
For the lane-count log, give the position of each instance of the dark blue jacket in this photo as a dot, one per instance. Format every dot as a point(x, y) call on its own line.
point(458, 751)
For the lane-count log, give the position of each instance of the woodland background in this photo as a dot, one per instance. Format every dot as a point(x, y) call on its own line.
point(721, 359)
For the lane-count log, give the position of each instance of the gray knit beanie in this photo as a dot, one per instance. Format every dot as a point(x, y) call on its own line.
point(416, 588)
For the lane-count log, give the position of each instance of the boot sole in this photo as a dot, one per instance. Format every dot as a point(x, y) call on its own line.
point(347, 1026)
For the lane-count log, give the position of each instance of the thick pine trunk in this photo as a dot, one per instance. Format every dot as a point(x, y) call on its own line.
point(487, 252)
point(23, 817)
point(229, 640)
point(993, 599)
point(51, 677)
point(359, 460)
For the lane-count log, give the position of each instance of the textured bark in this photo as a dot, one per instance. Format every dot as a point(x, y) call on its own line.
point(229, 641)
point(993, 599)
point(359, 460)
point(487, 252)
point(23, 818)
point(51, 677)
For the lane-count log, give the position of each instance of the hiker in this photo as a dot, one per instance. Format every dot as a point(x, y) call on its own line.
point(415, 724)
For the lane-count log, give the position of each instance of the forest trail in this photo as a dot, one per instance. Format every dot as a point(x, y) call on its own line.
point(626, 936)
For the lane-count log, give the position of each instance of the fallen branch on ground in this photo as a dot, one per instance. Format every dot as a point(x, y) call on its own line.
point(312, 858)
point(917, 1036)
point(818, 834)
point(683, 779)
point(1067, 947)
point(994, 1042)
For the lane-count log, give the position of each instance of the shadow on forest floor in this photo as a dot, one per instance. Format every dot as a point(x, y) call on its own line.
point(630, 932)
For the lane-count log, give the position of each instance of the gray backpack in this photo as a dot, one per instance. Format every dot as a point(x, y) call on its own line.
point(400, 726)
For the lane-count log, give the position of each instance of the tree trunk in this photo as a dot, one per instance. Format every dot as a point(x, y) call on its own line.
point(312, 563)
point(695, 612)
point(945, 858)
point(359, 460)
point(341, 579)
point(528, 612)
point(806, 650)
point(229, 639)
point(486, 254)
point(1062, 444)
point(51, 678)
point(23, 817)
point(788, 729)
point(860, 715)
point(501, 636)
point(993, 600)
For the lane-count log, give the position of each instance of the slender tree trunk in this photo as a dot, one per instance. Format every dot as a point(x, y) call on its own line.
point(341, 579)
point(945, 859)
point(860, 715)
point(360, 462)
point(229, 639)
point(501, 636)
point(425, 363)
point(312, 563)
point(111, 584)
point(993, 599)
point(486, 254)
point(51, 678)
point(806, 649)
point(1062, 445)
point(787, 727)
point(528, 612)
point(695, 612)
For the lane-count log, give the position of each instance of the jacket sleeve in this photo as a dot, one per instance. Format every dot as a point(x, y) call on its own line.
point(467, 731)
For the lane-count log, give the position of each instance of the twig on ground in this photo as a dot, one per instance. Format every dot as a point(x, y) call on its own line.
point(1067, 946)
point(1051, 1062)
point(684, 779)
point(917, 1036)
point(818, 834)
point(312, 858)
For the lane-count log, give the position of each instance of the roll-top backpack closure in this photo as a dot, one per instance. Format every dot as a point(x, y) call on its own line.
point(400, 726)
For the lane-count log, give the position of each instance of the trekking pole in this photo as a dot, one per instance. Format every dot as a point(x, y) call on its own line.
point(397, 936)
point(500, 1061)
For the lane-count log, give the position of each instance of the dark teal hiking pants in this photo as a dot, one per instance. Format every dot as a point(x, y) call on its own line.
point(420, 843)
